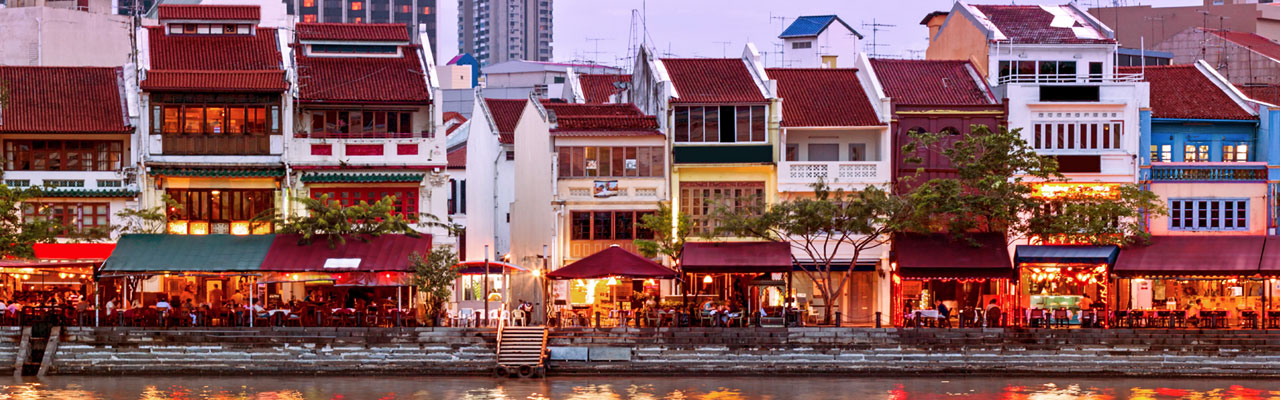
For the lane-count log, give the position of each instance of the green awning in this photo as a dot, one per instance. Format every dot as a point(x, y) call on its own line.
point(181, 253)
point(98, 193)
point(340, 177)
point(219, 172)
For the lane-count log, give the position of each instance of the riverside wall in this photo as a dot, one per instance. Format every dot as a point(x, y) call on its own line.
point(669, 351)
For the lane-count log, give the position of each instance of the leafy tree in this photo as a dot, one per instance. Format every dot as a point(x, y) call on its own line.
point(18, 234)
point(147, 220)
point(822, 227)
point(993, 191)
point(434, 275)
point(666, 241)
point(336, 223)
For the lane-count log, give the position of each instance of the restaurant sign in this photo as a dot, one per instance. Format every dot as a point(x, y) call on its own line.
point(341, 263)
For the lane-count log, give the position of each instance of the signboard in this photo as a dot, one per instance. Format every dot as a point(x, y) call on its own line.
point(341, 263)
point(605, 189)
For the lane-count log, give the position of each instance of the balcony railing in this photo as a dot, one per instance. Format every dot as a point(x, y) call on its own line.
point(216, 145)
point(1069, 78)
point(363, 135)
point(1217, 172)
point(833, 172)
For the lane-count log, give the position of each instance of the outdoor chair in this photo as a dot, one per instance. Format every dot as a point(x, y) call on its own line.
point(651, 318)
point(1037, 318)
point(1061, 318)
point(516, 318)
point(965, 319)
point(705, 318)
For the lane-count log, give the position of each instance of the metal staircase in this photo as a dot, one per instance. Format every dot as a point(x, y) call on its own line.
point(522, 351)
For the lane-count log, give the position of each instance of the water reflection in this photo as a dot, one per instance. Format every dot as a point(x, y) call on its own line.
point(631, 388)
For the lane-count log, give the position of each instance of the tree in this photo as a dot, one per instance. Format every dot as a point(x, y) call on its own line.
point(433, 276)
point(147, 220)
point(19, 233)
point(822, 227)
point(666, 240)
point(994, 191)
point(336, 223)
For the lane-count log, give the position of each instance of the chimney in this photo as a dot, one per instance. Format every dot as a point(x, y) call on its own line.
point(934, 21)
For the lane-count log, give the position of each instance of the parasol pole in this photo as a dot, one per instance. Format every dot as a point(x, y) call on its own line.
point(485, 296)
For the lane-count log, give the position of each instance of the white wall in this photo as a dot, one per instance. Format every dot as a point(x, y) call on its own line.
point(60, 37)
point(836, 40)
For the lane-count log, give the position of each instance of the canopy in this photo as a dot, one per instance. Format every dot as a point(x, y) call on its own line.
point(73, 251)
point(736, 257)
point(1233, 255)
point(1065, 254)
point(939, 256)
point(388, 252)
point(210, 253)
point(477, 267)
point(1270, 265)
point(613, 261)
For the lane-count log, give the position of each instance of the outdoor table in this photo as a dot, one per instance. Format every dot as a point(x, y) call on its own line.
point(1273, 319)
point(1250, 318)
point(919, 316)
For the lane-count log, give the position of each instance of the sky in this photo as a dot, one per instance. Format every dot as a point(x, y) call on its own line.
point(599, 30)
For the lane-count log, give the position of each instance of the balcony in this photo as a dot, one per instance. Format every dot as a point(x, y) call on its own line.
point(798, 176)
point(1069, 78)
point(1207, 172)
point(216, 145)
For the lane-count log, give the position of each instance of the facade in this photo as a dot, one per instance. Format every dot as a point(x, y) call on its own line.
point(819, 41)
point(70, 129)
point(63, 37)
point(1208, 154)
point(490, 166)
point(518, 79)
point(412, 15)
point(1144, 24)
point(216, 112)
point(497, 31)
point(365, 120)
point(1248, 60)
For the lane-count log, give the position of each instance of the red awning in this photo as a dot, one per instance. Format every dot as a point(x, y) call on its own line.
point(940, 256)
point(477, 267)
point(43, 264)
point(1270, 265)
point(382, 253)
point(736, 257)
point(73, 251)
point(613, 261)
point(1198, 255)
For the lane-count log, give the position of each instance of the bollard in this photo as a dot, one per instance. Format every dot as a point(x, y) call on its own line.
point(837, 318)
point(877, 320)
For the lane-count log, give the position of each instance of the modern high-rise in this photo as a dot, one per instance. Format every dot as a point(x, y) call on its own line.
point(495, 31)
point(412, 13)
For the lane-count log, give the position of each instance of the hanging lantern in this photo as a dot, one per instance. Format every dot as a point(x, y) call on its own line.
point(706, 279)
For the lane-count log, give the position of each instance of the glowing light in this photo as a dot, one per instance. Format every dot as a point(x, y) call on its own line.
point(199, 228)
point(262, 228)
point(178, 227)
point(650, 282)
point(706, 279)
point(294, 277)
point(612, 281)
point(25, 276)
point(215, 192)
point(62, 275)
point(240, 228)
point(1054, 190)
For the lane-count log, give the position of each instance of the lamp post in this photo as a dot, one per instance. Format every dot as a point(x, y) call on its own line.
point(485, 296)
point(546, 306)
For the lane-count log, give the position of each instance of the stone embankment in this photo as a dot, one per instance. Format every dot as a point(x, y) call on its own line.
point(435, 351)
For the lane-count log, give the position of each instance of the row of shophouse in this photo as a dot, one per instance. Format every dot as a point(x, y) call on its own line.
point(231, 119)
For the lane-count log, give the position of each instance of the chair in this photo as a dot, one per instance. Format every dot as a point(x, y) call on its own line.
point(966, 318)
point(1037, 317)
point(1061, 318)
point(651, 318)
point(516, 318)
point(494, 316)
point(705, 318)
point(993, 318)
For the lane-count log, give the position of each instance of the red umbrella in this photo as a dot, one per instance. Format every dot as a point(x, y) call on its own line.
point(613, 261)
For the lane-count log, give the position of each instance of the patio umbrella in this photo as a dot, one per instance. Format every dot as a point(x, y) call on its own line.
point(613, 261)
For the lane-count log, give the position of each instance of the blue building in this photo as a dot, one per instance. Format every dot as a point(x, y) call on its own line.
point(1208, 157)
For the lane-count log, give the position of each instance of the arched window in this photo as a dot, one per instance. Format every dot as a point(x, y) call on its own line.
point(950, 131)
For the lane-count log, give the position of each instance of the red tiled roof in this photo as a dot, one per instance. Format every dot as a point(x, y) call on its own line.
point(215, 81)
point(931, 82)
point(1183, 92)
point(219, 55)
point(601, 120)
point(62, 100)
point(822, 97)
point(506, 113)
point(208, 12)
point(1031, 24)
point(457, 158)
point(454, 116)
point(597, 88)
point(353, 32)
point(712, 80)
point(1253, 41)
point(362, 79)
point(1264, 93)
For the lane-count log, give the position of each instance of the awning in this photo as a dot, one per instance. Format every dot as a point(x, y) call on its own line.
point(939, 256)
point(477, 267)
point(736, 257)
point(382, 253)
point(836, 266)
point(612, 261)
point(344, 177)
point(73, 251)
point(1192, 256)
point(1065, 254)
point(207, 253)
point(1270, 265)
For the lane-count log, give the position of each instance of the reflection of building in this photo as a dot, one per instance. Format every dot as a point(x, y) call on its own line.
point(366, 127)
point(496, 31)
point(215, 118)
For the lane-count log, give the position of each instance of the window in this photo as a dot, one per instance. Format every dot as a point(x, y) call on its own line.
point(857, 152)
point(1235, 152)
point(720, 124)
point(1037, 71)
point(198, 119)
point(308, 3)
point(824, 152)
point(473, 286)
point(357, 6)
point(74, 216)
point(579, 162)
point(801, 45)
point(309, 18)
point(220, 204)
point(1196, 152)
point(63, 155)
point(793, 152)
point(1077, 134)
point(700, 200)
point(607, 225)
point(352, 49)
point(361, 123)
point(1161, 152)
point(457, 196)
point(405, 204)
point(1209, 214)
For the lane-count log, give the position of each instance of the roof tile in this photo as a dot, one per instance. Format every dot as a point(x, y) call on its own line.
point(214, 81)
point(601, 120)
point(62, 100)
point(931, 82)
point(1253, 41)
point(506, 113)
point(712, 80)
point(223, 54)
point(597, 88)
point(353, 32)
point(812, 25)
point(208, 12)
point(823, 97)
point(457, 157)
point(1183, 92)
point(1032, 24)
point(362, 79)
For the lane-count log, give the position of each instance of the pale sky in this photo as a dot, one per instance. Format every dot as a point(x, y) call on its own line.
point(715, 28)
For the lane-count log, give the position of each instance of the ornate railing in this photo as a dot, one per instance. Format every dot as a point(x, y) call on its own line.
point(838, 172)
point(1223, 172)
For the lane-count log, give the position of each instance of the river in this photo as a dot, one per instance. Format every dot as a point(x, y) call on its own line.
point(632, 388)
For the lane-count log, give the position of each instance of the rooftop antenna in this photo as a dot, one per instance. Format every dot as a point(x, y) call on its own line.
point(782, 21)
point(874, 46)
point(724, 48)
point(595, 54)
point(1204, 33)
point(916, 54)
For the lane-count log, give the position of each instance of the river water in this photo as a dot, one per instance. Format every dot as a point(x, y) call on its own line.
point(637, 388)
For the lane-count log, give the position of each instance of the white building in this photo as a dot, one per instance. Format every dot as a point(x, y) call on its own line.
point(490, 168)
point(546, 80)
point(815, 41)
